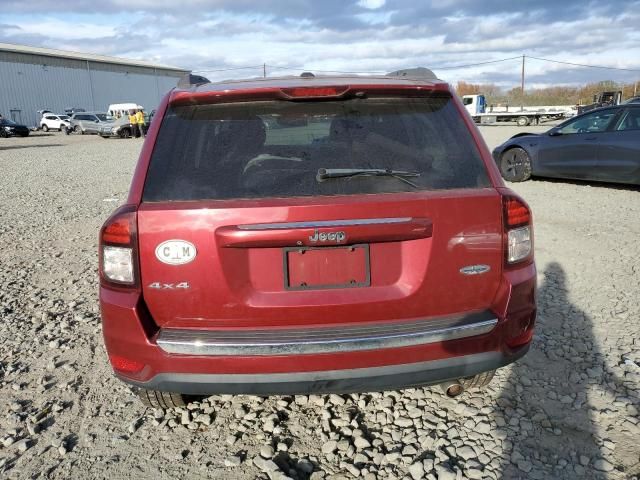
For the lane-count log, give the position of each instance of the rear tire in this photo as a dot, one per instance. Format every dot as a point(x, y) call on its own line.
point(522, 121)
point(480, 380)
point(162, 400)
point(515, 165)
point(45, 128)
point(77, 129)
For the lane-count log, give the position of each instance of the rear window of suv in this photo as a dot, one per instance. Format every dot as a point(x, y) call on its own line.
point(278, 149)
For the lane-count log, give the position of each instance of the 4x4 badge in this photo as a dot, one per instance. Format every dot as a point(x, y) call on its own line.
point(169, 286)
point(327, 237)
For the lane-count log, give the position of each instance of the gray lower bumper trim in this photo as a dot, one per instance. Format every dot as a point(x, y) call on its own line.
point(316, 340)
point(389, 377)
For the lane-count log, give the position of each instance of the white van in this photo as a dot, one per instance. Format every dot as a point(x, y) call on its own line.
point(122, 109)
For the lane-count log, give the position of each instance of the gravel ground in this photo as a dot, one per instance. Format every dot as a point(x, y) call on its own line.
point(569, 409)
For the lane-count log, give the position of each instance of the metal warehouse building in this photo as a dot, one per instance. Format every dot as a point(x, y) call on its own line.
point(33, 79)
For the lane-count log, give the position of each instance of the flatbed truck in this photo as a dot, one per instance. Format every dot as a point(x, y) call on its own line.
point(476, 105)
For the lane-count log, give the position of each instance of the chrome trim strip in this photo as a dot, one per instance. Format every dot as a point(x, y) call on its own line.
point(324, 223)
point(300, 341)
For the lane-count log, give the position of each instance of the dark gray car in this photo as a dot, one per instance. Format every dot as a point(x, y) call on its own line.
point(601, 145)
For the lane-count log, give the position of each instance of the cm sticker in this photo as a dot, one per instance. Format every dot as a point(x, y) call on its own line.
point(176, 252)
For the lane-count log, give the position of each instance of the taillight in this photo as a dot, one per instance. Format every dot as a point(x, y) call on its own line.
point(118, 249)
point(119, 231)
point(518, 244)
point(519, 234)
point(516, 212)
point(117, 264)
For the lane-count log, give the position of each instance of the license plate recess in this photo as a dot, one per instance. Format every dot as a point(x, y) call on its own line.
point(316, 268)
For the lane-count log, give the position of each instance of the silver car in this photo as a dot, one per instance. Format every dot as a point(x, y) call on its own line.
point(89, 122)
point(120, 127)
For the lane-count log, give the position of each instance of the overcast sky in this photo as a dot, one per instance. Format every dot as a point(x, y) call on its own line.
point(345, 35)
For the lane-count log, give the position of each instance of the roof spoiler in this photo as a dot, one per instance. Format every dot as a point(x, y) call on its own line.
point(420, 73)
point(189, 80)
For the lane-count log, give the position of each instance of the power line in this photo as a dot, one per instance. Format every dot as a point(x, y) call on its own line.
point(583, 65)
point(450, 67)
point(476, 64)
point(383, 72)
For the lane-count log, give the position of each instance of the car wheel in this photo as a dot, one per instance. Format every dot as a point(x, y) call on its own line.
point(522, 121)
point(515, 165)
point(3, 133)
point(124, 133)
point(477, 381)
point(77, 129)
point(162, 400)
point(45, 128)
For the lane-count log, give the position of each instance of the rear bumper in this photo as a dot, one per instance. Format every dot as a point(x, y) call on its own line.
point(427, 351)
point(389, 377)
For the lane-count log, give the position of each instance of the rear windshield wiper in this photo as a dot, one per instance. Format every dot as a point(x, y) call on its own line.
point(327, 173)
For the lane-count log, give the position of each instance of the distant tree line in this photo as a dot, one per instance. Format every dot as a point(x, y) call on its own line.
point(546, 96)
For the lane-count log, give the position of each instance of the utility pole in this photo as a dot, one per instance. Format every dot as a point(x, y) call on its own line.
point(635, 89)
point(522, 85)
point(264, 70)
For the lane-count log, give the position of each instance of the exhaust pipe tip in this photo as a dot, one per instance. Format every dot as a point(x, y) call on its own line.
point(452, 388)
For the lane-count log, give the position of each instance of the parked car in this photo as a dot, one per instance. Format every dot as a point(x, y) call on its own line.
point(89, 122)
point(368, 243)
point(52, 121)
point(9, 128)
point(71, 110)
point(123, 108)
point(632, 100)
point(120, 127)
point(601, 145)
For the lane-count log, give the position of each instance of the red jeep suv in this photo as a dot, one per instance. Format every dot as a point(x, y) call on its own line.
point(314, 234)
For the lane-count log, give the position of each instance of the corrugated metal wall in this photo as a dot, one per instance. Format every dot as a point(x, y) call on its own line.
point(29, 83)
